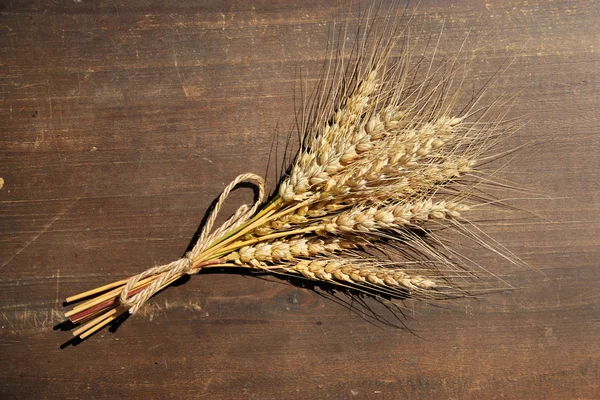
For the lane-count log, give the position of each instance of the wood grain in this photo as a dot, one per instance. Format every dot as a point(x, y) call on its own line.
point(122, 121)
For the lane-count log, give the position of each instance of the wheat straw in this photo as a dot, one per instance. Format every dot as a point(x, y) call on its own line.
point(384, 161)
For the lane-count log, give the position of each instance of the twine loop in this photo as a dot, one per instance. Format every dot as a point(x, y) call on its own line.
point(133, 299)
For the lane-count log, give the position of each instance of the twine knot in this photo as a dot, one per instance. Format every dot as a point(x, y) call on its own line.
point(189, 259)
point(133, 298)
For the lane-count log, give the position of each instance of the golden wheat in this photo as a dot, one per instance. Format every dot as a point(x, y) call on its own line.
point(382, 162)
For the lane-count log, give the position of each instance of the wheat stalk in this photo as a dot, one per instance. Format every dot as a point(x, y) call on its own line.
point(382, 159)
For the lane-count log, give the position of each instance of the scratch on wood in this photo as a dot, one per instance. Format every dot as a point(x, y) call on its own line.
point(185, 92)
point(139, 166)
point(152, 310)
point(57, 301)
point(40, 233)
point(8, 320)
point(33, 319)
point(206, 384)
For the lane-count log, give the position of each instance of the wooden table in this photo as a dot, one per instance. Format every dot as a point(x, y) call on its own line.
point(122, 121)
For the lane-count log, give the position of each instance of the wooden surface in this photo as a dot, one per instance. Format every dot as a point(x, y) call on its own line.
point(122, 121)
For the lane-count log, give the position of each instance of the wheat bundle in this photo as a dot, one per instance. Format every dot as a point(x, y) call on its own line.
point(387, 163)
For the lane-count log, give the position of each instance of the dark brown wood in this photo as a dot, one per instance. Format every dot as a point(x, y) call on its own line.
point(122, 121)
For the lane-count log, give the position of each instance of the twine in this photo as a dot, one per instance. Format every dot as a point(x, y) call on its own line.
point(185, 265)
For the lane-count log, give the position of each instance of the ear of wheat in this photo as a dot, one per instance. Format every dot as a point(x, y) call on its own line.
point(387, 163)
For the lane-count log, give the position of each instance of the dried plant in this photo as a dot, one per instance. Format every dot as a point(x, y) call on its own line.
point(386, 166)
